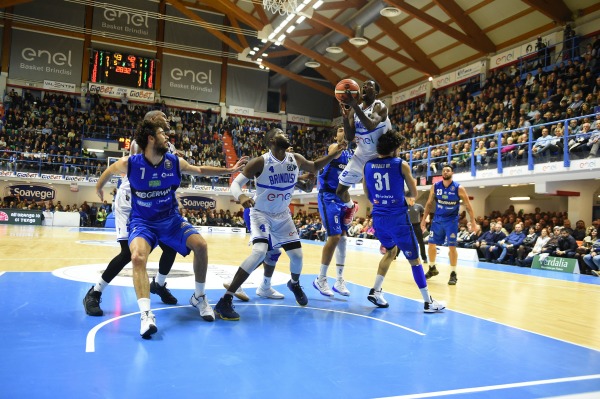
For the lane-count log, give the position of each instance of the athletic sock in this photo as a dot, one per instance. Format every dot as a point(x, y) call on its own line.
point(323, 272)
point(199, 290)
point(425, 294)
point(144, 304)
point(340, 271)
point(100, 285)
point(378, 282)
point(160, 279)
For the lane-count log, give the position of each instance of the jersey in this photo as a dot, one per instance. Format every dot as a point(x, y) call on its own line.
point(385, 184)
point(329, 175)
point(275, 184)
point(367, 139)
point(153, 187)
point(447, 201)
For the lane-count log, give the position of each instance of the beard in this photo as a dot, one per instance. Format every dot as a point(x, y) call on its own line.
point(282, 144)
point(447, 177)
point(161, 150)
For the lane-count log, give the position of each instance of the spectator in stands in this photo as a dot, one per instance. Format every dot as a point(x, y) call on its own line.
point(581, 138)
point(566, 244)
point(592, 260)
point(101, 217)
point(527, 244)
point(542, 143)
point(485, 239)
point(504, 251)
point(537, 249)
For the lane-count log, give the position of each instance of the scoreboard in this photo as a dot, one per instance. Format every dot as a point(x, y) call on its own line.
point(122, 69)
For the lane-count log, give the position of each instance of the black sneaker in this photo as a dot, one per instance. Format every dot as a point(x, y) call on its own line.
point(163, 292)
point(453, 280)
point(91, 303)
point(224, 309)
point(301, 298)
point(431, 272)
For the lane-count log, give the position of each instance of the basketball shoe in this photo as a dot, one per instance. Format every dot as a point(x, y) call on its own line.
point(225, 309)
point(201, 303)
point(433, 306)
point(163, 292)
point(322, 286)
point(301, 298)
point(239, 294)
point(349, 214)
point(91, 302)
point(340, 287)
point(453, 280)
point(268, 292)
point(376, 297)
point(433, 271)
point(148, 324)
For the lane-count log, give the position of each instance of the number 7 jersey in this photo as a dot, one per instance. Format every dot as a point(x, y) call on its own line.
point(385, 184)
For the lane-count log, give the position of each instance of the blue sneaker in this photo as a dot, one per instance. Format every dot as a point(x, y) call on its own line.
point(224, 309)
point(301, 298)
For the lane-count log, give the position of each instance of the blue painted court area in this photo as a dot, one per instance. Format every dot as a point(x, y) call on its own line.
point(333, 348)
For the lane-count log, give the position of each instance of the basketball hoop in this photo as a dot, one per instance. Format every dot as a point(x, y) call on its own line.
point(280, 6)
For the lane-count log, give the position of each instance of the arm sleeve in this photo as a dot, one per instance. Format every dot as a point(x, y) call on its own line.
point(236, 185)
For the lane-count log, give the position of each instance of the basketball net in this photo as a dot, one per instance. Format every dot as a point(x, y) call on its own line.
point(280, 6)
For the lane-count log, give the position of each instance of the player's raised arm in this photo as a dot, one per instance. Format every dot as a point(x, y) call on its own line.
point(117, 168)
point(315, 166)
point(204, 170)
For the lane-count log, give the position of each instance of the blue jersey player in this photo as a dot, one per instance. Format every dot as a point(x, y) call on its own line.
point(332, 209)
point(154, 175)
point(384, 186)
point(444, 227)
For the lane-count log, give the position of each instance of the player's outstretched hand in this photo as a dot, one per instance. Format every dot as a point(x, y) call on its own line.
point(239, 165)
point(338, 147)
point(100, 193)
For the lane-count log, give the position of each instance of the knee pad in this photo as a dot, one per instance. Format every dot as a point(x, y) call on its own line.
point(272, 257)
point(340, 254)
point(259, 251)
point(295, 256)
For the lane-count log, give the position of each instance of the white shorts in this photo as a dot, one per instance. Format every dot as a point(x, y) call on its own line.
point(122, 210)
point(353, 172)
point(279, 228)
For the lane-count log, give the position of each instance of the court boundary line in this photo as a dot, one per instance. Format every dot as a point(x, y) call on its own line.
point(494, 387)
point(491, 321)
point(90, 340)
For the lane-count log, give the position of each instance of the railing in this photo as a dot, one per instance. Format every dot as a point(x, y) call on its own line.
point(475, 160)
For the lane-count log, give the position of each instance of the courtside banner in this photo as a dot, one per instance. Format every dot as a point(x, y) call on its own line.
point(557, 264)
point(20, 216)
point(35, 192)
point(196, 203)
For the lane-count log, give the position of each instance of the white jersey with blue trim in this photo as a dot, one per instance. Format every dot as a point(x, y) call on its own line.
point(275, 184)
point(366, 140)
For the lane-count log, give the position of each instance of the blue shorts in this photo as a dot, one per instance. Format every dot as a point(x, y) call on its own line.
point(172, 231)
point(331, 208)
point(444, 230)
point(396, 230)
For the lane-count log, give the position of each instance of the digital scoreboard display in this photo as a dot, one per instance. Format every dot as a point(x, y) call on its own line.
point(122, 69)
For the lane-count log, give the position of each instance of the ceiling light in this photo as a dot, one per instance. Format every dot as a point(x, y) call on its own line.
point(255, 49)
point(301, 19)
point(312, 64)
point(390, 12)
point(252, 52)
point(281, 38)
point(290, 28)
point(358, 39)
point(264, 40)
point(318, 4)
point(333, 49)
point(520, 198)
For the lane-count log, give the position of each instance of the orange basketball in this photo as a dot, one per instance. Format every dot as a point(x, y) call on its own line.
point(346, 84)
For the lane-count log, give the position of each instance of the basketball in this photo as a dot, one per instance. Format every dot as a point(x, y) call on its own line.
point(346, 84)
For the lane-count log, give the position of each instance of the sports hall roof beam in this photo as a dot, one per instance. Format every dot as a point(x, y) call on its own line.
point(241, 38)
point(421, 61)
point(324, 60)
point(340, 5)
point(10, 3)
point(462, 19)
point(298, 78)
point(387, 85)
point(447, 29)
point(228, 7)
point(556, 10)
point(194, 17)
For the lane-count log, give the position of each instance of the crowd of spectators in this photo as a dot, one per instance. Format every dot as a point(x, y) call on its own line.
point(505, 101)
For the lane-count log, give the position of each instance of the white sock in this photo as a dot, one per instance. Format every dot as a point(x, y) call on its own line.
point(266, 282)
point(453, 268)
point(324, 268)
point(340, 271)
point(160, 279)
point(425, 294)
point(199, 290)
point(378, 282)
point(144, 304)
point(100, 285)
point(349, 204)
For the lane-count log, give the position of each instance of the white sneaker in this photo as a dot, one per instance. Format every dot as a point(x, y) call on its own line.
point(340, 287)
point(376, 297)
point(239, 294)
point(148, 324)
point(433, 306)
point(269, 292)
point(322, 286)
point(206, 311)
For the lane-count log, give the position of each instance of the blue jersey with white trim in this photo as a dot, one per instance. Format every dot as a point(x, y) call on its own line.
point(385, 183)
point(447, 201)
point(153, 187)
point(329, 176)
point(275, 184)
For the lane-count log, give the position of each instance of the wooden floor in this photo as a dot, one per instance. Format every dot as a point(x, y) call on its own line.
point(543, 304)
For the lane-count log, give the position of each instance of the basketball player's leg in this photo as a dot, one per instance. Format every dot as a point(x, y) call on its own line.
point(141, 241)
point(265, 290)
point(352, 174)
point(158, 285)
point(452, 234)
point(437, 237)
